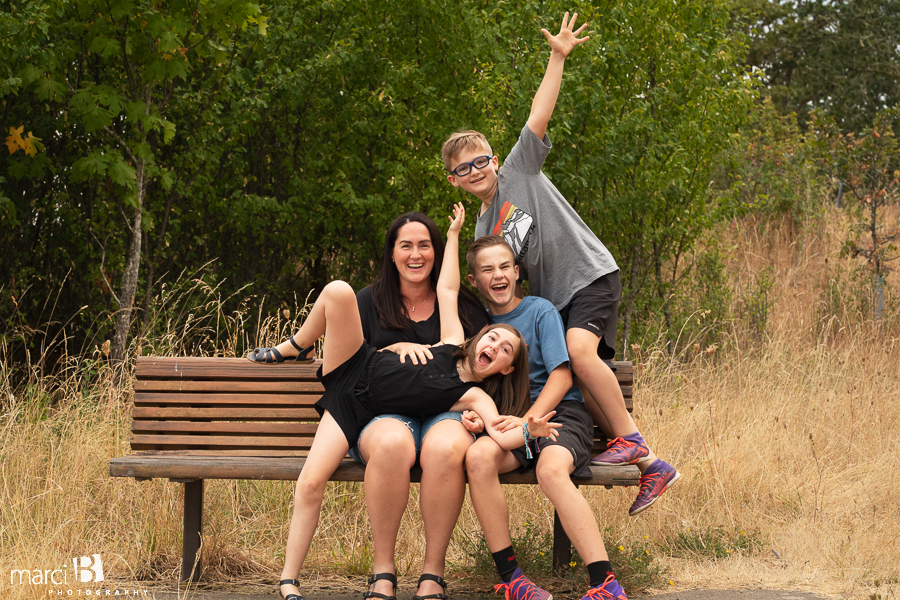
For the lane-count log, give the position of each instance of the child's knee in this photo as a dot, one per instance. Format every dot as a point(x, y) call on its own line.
point(310, 488)
point(338, 289)
point(553, 469)
point(481, 459)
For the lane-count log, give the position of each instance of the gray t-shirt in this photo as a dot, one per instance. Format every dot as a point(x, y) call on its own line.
point(556, 251)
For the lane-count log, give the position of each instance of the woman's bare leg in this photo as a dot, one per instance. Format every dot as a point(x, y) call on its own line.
point(328, 449)
point(389, 449)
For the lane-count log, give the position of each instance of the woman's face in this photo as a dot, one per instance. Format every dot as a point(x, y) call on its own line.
point(413, 253)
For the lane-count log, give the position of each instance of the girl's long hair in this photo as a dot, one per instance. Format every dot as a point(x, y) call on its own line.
point(511, 393)
point(392, 313)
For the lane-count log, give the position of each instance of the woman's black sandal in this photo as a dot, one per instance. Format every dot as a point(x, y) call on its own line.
point(289, 596)
point(377, 577)
point(436, 578)
point(271, 355)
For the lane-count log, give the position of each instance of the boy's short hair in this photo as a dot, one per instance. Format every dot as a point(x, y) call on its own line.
point(483, 243)
point(460, 141)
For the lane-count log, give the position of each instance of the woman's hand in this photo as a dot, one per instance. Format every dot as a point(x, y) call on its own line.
point(472, 422)
point(416, 352)
point(542, 427)
point(458, 218)
point(505, 423)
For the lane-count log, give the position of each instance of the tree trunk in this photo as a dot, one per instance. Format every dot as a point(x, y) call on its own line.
point(130, 277)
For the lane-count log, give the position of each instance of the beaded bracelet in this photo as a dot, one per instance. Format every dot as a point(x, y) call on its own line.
point(528, 437)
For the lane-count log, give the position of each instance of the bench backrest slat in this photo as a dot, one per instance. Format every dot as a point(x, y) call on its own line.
point(233, 407)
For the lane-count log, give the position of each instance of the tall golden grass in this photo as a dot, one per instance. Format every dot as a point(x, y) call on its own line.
point(792, 439)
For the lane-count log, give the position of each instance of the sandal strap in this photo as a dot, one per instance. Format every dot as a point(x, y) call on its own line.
point(291, 595)
point(436, 578)
point(302, 352)
point(295, 344)
point(379, 577)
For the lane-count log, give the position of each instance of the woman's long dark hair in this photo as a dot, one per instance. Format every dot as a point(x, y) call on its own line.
point(392, 313)
point(511, 393)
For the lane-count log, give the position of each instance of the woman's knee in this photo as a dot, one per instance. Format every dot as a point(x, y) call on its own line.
point(390, 442)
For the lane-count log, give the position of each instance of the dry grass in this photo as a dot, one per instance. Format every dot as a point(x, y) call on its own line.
point(793, 440)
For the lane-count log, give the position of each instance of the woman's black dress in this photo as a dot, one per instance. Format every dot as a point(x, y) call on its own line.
point(373, 383)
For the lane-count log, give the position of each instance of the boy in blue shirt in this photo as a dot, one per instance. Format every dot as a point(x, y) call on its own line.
point(562, 260)
point(493, 271)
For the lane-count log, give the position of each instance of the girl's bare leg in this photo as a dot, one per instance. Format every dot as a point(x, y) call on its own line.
point(443, 490)
point(336, 316)
point(327, 450)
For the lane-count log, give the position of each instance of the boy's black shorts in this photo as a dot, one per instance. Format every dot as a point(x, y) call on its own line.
point(576, 435)
point(595, 308)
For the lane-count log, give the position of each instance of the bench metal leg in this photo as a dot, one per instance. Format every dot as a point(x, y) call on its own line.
point(562, 548)
point(191, 559)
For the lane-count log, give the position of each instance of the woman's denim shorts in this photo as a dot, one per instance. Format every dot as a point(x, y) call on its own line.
point(418, 427)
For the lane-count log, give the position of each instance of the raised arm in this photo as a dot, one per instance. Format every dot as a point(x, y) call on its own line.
point(448, 283)
point(545, 99)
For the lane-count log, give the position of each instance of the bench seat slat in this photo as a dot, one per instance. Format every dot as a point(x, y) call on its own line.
point(227, 386)
point(155, 367)
point(229, 441)
point(197, 368)
point(259, 428)
point(270, 468)
point(252, 399)
point(225, 414)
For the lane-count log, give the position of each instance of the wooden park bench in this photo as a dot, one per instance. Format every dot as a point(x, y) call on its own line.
point(229, 418)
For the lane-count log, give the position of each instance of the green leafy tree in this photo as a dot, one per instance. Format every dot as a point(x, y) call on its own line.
point(115, 73)
point(277, 143)
point(838, 56)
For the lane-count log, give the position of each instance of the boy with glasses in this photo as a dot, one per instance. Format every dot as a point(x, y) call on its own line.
point(562, 260)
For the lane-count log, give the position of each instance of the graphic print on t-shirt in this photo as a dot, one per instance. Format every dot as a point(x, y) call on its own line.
point(515, 226)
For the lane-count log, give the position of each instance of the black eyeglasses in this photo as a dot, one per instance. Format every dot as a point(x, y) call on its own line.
point(464, 169)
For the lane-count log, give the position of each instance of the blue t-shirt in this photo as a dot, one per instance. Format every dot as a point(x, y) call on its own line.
point(542, 327)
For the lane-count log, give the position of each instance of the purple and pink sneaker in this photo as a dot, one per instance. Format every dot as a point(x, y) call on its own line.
point(521, 588)
point(654, 481)
point(628, 450)
point(608, 590)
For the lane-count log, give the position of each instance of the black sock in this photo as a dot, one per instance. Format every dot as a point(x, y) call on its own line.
point(506, 563)
point(599, 571)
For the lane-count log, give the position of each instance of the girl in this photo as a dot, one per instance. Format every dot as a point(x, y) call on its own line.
point(361, 383)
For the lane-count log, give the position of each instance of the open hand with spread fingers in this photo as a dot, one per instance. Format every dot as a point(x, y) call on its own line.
point(563, 42)
point(542, 427)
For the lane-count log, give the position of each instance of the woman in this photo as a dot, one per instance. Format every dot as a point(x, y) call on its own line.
point(360, 382)
point(399, 313)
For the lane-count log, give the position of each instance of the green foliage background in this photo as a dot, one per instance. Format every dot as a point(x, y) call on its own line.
point(281, 139)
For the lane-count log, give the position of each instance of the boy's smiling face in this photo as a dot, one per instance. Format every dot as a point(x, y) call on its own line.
point(479, 182)
point(495, 275)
